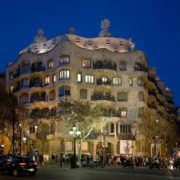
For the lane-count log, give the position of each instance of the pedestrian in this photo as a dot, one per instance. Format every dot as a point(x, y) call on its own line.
point(61, 160)
point(41, 160)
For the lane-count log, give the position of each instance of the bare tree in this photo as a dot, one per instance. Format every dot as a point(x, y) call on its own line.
point(87, 118)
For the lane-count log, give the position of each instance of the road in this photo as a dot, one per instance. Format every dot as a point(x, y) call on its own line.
point(53, 172)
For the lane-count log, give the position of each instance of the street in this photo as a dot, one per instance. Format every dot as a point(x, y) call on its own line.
point(51, 172)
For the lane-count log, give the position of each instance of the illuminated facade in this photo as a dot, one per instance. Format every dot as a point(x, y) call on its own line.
point(105, 70)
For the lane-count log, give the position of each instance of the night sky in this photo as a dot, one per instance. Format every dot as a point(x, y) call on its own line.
point(154, 26)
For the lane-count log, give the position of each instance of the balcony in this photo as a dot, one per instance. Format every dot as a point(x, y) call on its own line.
point(104, 65)
point(100, 82)
point(37, 97)
point(37, 69)
point(140, 67)
point(96, 97)
point(32, 84)
point(16, 88)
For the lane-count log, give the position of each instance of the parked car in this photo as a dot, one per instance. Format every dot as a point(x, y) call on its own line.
point(18, 165)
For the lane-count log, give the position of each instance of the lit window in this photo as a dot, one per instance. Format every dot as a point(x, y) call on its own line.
point(79, 77)
point(64, 60)
point(122, 66)
point(64, 74)
point(140, 82)
point(86, 63)
point(130, 81)
point(68, 146)
point(89, 79)
point(123, 112)
point(122, 96)
point(54, 78)
point(117, 81)
point(50, 64)
point(11, 88)
point(47, 80)
point(104, 79)
point(84, 146)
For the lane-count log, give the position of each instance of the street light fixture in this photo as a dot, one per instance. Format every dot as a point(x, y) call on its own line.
point(75, 134)
point(2, 146)
point(20, 136)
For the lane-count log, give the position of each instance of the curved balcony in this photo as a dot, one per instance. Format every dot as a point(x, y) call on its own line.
point(104, 65)
point(96, 97)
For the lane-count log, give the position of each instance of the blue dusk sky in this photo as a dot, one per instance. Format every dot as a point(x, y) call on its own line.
point(154, 26)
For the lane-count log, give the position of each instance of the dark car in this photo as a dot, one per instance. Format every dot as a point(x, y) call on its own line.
point(18, 165)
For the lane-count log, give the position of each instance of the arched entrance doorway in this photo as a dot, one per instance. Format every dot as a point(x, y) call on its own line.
point(107, 151)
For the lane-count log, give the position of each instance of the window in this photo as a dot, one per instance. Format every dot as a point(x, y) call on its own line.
point(24, 83)
point(140, 96)
point(117, 81)
point(122, 66)
point(140, 112)
point(64, 60)
point(140, 81)
point(86, 63)
point(32, 129)
point(123, 112)
point(11, 88)
point(64, 91)
point(83, 94)
point(112, 128)
point(54, 78)
point(52, 95)
point(64, 74)
point(89, 79)
point(104, 80)
point(47, 80)
point(79, 77)
point(130, 81)
point(122, 96)
point(50, 64)
point(125, 128)
point(11, 76)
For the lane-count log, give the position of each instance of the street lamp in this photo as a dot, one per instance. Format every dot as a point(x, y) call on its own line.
point(20, 136)
point(2, 146)
point(75, 134)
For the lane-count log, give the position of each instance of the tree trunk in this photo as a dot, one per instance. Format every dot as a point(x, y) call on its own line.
point(79, 157)
point(42, 146)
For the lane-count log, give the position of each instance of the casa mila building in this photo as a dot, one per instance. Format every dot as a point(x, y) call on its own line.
point(103, 70)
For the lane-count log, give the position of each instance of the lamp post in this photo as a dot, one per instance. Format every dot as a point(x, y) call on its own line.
point(156, 140)
point(74, 133)
point(20, 137)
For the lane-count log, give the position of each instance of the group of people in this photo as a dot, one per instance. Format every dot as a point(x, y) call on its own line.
point(147, 161)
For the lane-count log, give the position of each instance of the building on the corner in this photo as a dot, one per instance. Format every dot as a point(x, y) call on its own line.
point(106, 70)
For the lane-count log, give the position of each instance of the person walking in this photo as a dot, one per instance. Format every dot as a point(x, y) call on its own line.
point(61, 160)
